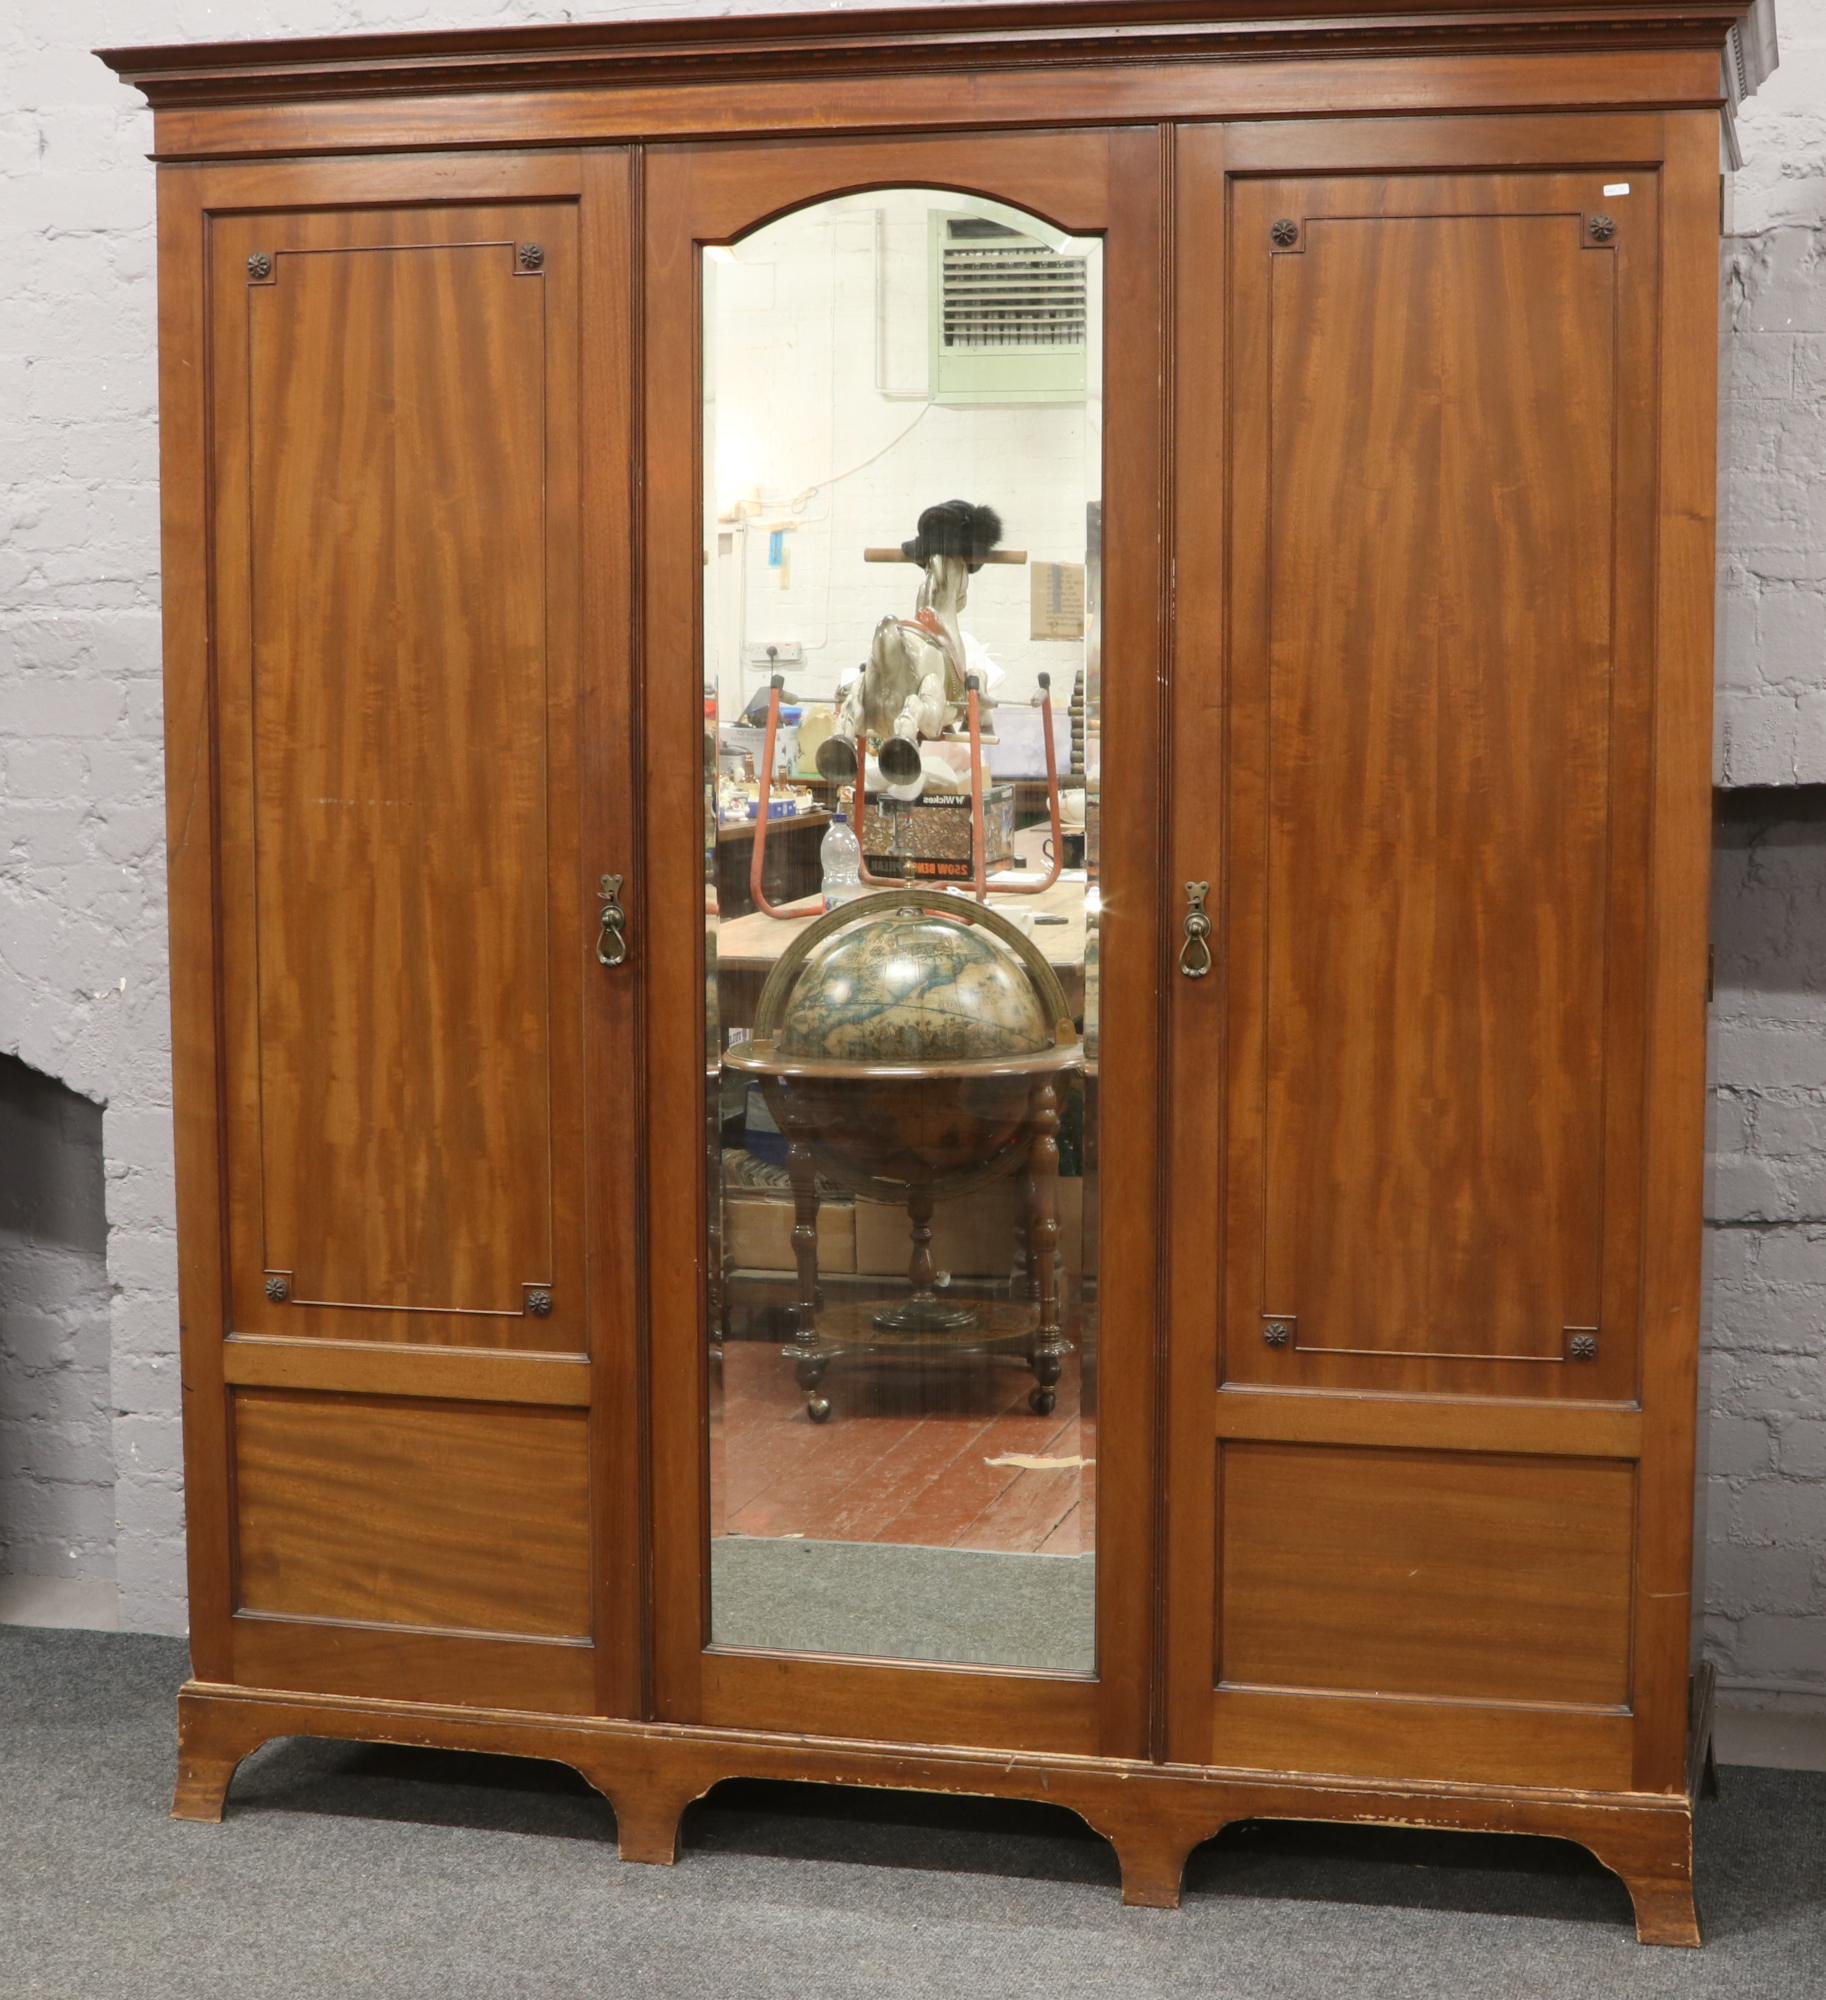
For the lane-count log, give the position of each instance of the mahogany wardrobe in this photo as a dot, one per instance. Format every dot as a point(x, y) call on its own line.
point(1295, 432)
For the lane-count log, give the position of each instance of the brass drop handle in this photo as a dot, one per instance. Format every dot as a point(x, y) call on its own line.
point(612, 938)
point(1195, 953)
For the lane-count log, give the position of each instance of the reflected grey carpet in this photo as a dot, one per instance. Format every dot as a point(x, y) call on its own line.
point(896, 1601)
point(347, 1870)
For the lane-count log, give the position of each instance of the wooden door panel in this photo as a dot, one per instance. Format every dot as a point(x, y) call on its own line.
point(1436, 444)
point(463, 1517)
point(1438, 671)
point(1458, 1576)
point(405, 962)
point(1439, 682)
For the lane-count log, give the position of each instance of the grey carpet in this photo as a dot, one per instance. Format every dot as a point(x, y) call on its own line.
point(895, 1601)
point(349, 1870)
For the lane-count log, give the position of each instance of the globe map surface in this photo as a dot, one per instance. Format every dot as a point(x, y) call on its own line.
point(914, 988)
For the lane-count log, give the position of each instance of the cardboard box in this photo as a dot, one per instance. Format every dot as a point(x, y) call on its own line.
point(930, 839)
point(971, 1238)
point(758, 1234)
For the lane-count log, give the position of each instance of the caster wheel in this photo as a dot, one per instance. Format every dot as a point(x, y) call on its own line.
point(817, 1409)
point(1041, 1402)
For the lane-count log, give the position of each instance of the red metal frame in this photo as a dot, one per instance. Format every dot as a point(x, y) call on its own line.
point(981, 883)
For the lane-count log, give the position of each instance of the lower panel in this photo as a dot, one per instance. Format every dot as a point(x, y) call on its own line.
point(394, 1665)
point(1269, 1729)
point(399, 1510)
point(1465, 1576)
point(907, 1704)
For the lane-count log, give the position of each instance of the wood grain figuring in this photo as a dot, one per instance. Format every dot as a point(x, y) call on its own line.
point(1436, 945)
point(1132, 1083)
point(400, 768)
point(1408, 590)
point(1195, 1113)
point(192, 834)
point(1054, 1714)
point(1674, 1107)
point(609, 712)
point(1464, 1576)
point(462, 1516)
point(1439, 634)
point(196, 397)
point(399, 640)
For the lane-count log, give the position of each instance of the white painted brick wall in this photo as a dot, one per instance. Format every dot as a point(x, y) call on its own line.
point(81, 876)
point(1765, 1473)
point(56, 1452)
point(1765, 1485)
point(1772, 497)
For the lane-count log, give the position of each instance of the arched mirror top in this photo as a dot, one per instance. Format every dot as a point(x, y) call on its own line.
point(902, 492)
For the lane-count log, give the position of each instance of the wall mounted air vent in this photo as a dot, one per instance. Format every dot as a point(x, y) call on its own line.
point(1009, 315)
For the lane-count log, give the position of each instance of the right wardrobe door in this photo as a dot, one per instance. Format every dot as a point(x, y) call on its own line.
point(1431, 1016)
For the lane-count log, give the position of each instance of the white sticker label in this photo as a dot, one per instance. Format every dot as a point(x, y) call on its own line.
point(1618, 187)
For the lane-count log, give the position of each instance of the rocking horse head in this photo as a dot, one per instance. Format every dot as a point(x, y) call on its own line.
point(955, 528)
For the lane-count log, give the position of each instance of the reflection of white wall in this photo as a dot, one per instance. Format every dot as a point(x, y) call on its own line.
point(818, 345)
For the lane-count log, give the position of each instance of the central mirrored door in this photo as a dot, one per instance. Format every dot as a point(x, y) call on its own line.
point(885, 1295)
point(902, 454)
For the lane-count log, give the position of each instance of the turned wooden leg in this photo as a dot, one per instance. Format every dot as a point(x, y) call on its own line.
point(1025, 1282)
point(922, 1273)
point(1665, 1913)
point(802, 1171)
point(1048, 1355)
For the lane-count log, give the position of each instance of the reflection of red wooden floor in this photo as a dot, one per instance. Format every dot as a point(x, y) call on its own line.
point(901, 1458)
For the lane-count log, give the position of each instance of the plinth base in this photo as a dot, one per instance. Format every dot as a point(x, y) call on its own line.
point(1153, 1814)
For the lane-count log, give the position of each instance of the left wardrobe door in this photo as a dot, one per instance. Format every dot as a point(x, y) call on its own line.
point(416, 795)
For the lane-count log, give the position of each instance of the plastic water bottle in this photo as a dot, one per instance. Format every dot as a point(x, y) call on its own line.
point(840, 858)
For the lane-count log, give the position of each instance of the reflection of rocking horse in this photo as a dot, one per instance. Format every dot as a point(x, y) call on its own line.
point(915, 686)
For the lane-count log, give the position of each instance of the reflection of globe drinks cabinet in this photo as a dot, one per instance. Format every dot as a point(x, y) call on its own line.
point(918, 1050)
point(514, 403)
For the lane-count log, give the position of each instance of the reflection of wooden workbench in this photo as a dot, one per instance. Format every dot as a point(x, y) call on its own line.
point(793, 869)
point(748, 946)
